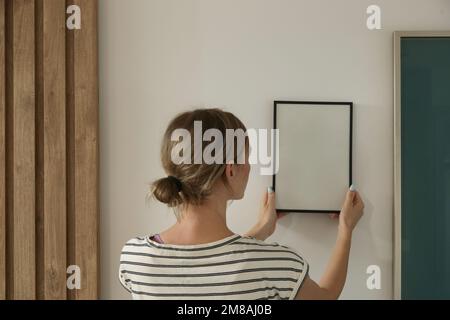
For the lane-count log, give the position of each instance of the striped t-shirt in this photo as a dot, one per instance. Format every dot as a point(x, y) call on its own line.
point(237, 268)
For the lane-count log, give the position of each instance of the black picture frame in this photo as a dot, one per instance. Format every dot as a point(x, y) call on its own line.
point(315, 103)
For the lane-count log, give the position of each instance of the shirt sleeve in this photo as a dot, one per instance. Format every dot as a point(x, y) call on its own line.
point(300, 279)
point(123, 276)
point(297, 269)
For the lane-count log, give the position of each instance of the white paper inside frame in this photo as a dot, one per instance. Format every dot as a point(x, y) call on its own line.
point(314, 156)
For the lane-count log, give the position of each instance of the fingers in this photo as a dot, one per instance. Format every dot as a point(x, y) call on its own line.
point(358, 201)
point(281, 215)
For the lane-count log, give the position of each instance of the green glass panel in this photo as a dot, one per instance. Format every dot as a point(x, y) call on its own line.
point(425, 68)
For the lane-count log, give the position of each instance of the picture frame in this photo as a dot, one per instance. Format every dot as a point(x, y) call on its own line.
point(314, 193)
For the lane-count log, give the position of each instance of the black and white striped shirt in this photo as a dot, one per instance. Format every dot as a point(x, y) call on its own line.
point(237, 268)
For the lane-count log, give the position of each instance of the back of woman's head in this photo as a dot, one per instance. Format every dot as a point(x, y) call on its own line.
point(191, 182)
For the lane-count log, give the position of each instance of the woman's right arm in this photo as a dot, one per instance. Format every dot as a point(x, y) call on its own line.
point(333, 280)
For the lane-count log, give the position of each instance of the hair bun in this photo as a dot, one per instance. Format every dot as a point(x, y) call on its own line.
point(167, 190)
point(177, 182)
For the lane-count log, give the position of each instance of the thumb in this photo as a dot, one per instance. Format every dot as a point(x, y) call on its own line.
point(265, 198)
point(350, 197)
point(270, 195)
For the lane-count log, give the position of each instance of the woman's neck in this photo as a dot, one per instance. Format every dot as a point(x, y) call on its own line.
point(200, 224)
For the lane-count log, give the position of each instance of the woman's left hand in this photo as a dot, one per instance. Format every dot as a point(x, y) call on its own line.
point(268, 217)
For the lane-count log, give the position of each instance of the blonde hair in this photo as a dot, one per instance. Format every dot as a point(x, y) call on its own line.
point(192, 183)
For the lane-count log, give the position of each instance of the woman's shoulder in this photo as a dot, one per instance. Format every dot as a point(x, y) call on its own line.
point(276, 257)
point(256, 245)
point(246, 240)
point(137, 240)
point(135, 244)
point(237, 245)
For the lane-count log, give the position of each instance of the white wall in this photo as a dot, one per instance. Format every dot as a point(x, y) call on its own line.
point(160, 57)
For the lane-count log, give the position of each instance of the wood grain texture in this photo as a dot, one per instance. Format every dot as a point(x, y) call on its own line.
point(2, 155)
point(70, 154)
point(51, 149)
point(49, 185)
point(21, 197)
point(84, 152)
point(9, 170)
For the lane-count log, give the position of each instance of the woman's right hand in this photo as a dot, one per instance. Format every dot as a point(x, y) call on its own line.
point(351, 212)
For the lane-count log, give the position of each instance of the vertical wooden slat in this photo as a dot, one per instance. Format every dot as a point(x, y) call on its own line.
point(40, 218)
point(70, 142)
point(20, 151)
point(9, 156)
point(2, 155)
point(54, 150)
point(84, 149)
point(51, 149)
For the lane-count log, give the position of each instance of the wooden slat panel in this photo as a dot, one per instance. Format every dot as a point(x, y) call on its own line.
point(9, 169)
point(84, 152)
point(21, 144)
point(40, 218)
point(54, 187)
point(70, 154)
point(51, 160)
point(54, 149)
point(2, 155)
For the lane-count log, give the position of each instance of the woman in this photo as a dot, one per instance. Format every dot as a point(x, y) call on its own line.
point(200, 257)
